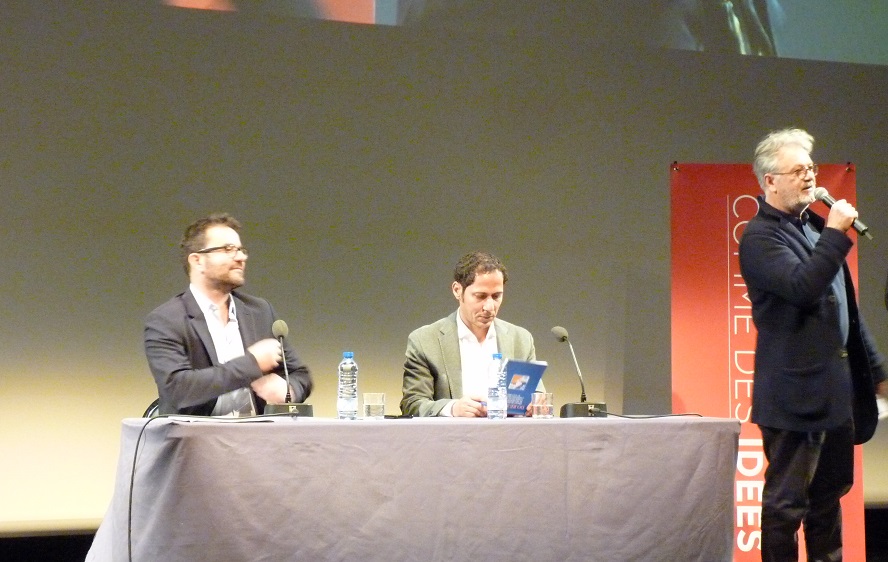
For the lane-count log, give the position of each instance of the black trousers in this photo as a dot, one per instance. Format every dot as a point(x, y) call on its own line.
point(807, 475)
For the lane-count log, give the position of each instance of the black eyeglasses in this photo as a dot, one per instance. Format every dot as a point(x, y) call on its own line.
point(230, 250)
point(800, 173)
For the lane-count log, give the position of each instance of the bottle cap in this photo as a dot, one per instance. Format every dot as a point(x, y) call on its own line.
point(497, 355)
point(348, 354)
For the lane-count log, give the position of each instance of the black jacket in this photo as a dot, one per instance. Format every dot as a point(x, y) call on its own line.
point(805, 378)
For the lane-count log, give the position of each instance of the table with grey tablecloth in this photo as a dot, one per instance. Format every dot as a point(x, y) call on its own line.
point(285, 488)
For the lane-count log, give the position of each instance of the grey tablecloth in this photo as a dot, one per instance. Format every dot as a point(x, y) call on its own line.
point(425, 489)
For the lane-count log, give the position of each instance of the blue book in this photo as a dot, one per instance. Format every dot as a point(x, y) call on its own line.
point(522, 378)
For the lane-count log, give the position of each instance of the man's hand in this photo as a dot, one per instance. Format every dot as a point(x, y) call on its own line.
point(841, 215)
point(271, 388)
point(469, 407)
point(267, 353)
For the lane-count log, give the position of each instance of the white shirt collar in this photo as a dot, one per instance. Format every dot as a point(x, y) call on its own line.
point(207, 306)
point(464, 333)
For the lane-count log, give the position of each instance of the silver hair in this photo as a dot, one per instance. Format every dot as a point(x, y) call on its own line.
point(766, 152)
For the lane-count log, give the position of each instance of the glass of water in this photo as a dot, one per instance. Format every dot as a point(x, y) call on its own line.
point(374, 405)
point(543, 405)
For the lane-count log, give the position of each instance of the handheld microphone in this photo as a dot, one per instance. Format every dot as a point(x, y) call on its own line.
point(581, 409)
point(821, 194)
point(279, 330)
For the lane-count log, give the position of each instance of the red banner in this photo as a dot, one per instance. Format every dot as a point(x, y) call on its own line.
point(713, 338)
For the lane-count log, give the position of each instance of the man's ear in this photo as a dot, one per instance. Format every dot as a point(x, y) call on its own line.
point(769, 184)
point(193, 261)
point(457, 289)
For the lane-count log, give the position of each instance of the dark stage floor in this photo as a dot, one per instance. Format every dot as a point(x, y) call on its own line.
point(73, 548)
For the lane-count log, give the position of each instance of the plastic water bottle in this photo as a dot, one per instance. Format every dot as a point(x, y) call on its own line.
point(496, 388)
point(347, 401)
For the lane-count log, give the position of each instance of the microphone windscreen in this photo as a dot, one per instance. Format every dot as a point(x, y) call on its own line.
point(821, 194)
point(559, 333)
point(279, 329)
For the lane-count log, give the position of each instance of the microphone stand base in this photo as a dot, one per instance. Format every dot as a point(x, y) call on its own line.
point(584, 410)
point(293, 409)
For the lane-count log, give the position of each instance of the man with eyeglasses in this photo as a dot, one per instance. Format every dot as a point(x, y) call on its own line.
point(816, 366)
point(211, 348)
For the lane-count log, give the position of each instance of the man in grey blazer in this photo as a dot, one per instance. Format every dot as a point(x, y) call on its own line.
point(446, 366)
point(211, 348)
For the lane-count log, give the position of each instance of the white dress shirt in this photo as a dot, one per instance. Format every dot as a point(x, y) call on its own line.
point(475, 359)
point(228, 344)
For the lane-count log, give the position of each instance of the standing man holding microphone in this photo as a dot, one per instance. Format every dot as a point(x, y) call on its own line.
point(816, 366)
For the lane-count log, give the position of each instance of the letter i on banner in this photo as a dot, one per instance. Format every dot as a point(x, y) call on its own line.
point(713, 336)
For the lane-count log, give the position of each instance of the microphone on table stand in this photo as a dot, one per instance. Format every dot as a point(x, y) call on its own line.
point(279, 330)
point(581, 409)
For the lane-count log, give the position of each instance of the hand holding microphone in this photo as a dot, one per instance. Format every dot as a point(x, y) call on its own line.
point(842, 215)
point(267, 353)
point(270, 352)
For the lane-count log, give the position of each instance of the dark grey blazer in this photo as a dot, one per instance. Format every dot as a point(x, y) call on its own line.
point(433, 368)
point(183, 359)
